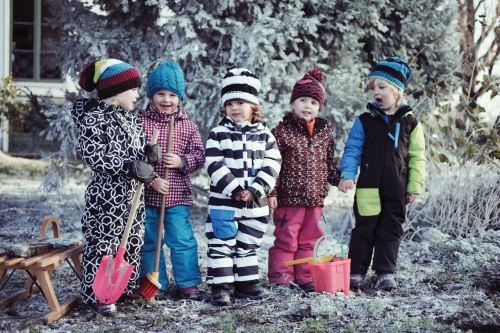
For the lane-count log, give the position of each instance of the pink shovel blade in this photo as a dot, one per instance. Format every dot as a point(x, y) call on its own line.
point(112, 277)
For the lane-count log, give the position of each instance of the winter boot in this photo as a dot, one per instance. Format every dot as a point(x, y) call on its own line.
point(105, 310)
point(191, 293)
point(307, 287)
point(221, 294)
point(248, 289)
point(356, 281)
point(385, 281)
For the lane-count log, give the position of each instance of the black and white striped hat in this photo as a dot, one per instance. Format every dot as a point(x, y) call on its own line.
point(240, 83)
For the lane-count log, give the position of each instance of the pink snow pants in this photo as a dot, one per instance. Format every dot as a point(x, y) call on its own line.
point(297, 228)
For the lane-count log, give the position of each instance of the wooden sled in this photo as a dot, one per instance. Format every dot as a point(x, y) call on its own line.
point(39, 269)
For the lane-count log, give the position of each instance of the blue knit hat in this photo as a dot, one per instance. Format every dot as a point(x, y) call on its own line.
point(393, 70)
point(167, 76)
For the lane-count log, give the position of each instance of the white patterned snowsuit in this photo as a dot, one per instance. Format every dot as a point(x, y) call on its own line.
point(108, 137)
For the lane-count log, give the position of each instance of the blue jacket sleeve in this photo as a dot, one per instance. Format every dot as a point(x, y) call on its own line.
point(352, 151)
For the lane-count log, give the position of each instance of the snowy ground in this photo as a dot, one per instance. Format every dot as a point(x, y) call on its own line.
point(446, 285)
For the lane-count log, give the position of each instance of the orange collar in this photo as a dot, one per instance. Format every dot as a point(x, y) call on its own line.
point(310, 126)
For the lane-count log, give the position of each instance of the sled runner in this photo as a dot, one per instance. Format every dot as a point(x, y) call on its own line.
point(39, 269)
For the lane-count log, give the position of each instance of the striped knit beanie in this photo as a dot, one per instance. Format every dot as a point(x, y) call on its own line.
point(311, 85)
point(110, 77)
point(393, 70)
point(167, 76)
point(240, 83)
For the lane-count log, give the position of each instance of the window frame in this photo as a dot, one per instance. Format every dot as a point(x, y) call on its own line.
point(37, 45)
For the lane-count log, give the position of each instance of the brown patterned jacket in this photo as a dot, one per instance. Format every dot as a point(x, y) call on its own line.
point(308, 162)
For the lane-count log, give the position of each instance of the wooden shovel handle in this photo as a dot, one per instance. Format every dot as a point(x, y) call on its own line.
point(159, 232)
point(306, 260)
point(136, 201)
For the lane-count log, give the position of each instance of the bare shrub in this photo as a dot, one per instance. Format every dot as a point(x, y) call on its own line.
point(461, 200)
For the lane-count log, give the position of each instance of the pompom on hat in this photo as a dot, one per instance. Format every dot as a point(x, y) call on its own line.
point(109, 77)
point(167, 76)
point(242, 84)
point(311, 85)
point(393, 70)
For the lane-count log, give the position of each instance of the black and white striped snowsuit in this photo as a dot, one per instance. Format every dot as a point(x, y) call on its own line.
point(238, 156)
point(108, 137)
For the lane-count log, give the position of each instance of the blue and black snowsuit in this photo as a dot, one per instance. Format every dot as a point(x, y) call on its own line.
point(389, 149)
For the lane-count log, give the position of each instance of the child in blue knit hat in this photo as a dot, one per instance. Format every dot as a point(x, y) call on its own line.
point(165, 88)
point(387, 143)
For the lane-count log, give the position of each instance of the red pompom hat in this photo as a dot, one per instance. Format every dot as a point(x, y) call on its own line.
point(311, 85)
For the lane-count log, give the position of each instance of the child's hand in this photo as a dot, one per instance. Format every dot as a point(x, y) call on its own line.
point(172, 161)
point(345, 185)
point(272, 202)
point(160, 185)
point(247, 196)
point(411, 197)
point(237, 197)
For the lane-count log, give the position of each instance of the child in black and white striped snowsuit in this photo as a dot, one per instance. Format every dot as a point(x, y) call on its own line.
point(243, 162)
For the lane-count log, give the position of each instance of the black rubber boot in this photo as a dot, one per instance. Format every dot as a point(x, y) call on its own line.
point(386, 282)
point(356, 281)
point(307, 287)
point(221, 294)
point(248, 290)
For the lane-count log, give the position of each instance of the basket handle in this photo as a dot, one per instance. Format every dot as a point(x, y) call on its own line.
point(321, 239)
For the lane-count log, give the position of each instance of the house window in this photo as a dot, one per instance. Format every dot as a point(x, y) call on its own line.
point(33, 42)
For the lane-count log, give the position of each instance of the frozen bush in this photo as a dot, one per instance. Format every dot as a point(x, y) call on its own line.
point(460, 200)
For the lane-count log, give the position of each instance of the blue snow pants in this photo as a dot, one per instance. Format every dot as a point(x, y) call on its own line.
point(179, 237)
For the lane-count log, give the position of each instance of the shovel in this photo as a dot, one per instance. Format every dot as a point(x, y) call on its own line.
point(310, 259)
point(113, 275)
point(150, 284)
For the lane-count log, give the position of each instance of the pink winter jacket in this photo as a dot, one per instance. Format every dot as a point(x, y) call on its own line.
point(186, 143)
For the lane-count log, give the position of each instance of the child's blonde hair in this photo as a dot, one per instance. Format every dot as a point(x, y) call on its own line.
point(399, 92)
point(256, 113)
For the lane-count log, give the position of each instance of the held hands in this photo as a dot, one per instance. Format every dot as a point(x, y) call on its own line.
point(160, 185)
point(345, 185)
point(172, 161)
point(272, 202)
point(411, 197)
point(245, 195)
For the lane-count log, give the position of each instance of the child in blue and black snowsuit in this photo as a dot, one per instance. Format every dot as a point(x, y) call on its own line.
point(387, 143)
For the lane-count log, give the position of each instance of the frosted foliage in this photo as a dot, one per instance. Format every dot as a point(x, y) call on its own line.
point(460, 200)
point(61, 129)
point(279, 40)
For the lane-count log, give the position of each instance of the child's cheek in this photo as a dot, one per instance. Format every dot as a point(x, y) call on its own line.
point(156, 104)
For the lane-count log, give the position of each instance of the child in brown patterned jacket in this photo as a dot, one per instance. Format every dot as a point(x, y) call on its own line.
point(307, 147)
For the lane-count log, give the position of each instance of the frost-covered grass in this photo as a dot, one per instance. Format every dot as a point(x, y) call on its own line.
point(20, 166)
point(460, 200)
point(447, 284)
